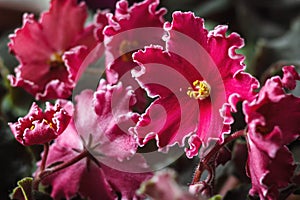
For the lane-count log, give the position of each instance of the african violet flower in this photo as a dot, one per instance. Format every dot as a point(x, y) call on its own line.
point(52, 50)
point(109, 122)
point(273, 122)
point(131, 29)
point(197, 80)
point(102, 131)
point(39, 127)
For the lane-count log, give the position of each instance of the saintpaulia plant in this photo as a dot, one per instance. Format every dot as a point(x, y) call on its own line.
point(54, 48)
point(93, 148)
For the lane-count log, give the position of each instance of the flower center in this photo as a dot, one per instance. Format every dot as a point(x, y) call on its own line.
point(262, 129)
point(126, 49)
point(44, 120)
point(56, 61)
point(201, 90)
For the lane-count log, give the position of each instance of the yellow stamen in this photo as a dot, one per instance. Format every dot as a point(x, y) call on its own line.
point(56, 61)
point(200, 91)
point(32, 127)
point(46, 122)
point(49, 123)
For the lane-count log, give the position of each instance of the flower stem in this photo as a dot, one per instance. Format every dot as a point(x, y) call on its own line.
point(64, 165)
point(45, 156)
point(42, 168)
point(48, 171)
point(206, 162)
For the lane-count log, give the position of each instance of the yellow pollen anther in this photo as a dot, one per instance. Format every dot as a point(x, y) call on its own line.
point(49, 123)
point(32, 127)
point(56, 61)
point(200, 91)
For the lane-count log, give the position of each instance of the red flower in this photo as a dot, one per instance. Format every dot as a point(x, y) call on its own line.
point(131, 29)
point(197, 80)
point(52, 50)
point(39, 127)
point(273, 122)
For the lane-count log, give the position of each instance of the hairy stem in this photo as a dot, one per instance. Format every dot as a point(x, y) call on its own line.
point(42, 168)
point(64, 165)
point(45, 156)
point(48, 171)
point(206, 162)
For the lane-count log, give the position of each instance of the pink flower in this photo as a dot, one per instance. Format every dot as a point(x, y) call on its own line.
point(273, 122)
point(39, 127)
point(131, 29)
point(197, 81)
point(102, 130)
point(51, 51)
point(105, 113)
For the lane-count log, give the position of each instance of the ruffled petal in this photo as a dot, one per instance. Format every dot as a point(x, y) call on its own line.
point(269, 174)
point(270, 164)
point(54, 50)
point(29, 44)
point(108, 121)
point(64, 21)
point(127, 32)
point(77, 178)
point(213, 63)
point(39, 127)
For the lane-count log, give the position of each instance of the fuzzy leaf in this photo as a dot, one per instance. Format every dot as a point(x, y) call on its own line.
point(24, 190)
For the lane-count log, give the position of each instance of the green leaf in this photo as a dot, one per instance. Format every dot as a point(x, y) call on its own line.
point(24, 190)
point(216, 197)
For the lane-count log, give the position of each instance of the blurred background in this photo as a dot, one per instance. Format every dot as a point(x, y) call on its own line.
point(271, 29)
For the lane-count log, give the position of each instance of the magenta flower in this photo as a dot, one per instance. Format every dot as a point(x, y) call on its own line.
point(126, 33)
point(39, 127)
point(197, 81)
point(51, 51)
point(102, 131)
point(273, 122)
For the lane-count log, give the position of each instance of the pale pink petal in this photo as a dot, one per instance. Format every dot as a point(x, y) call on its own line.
point(125, 183)
point(107, 116)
